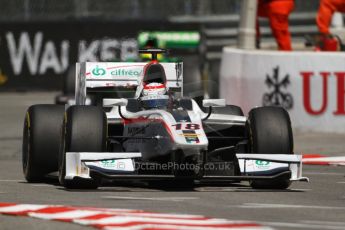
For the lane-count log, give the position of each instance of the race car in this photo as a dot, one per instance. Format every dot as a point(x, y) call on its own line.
point(145, 129)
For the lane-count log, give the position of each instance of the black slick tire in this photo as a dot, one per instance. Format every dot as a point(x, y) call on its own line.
point(269, 131)
point(41, 141)
point(84, 130)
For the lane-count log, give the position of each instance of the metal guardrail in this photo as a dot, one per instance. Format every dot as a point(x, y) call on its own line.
point(47, 10)
point(222, 30)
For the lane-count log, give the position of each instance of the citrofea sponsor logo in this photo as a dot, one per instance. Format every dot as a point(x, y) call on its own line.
point(127, 72)
point(118, 72)
point(97, 71)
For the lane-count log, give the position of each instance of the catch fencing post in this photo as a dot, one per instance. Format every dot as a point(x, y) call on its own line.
point(246, 31)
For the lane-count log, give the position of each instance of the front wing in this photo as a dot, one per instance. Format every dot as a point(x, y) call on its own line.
point(122, 166)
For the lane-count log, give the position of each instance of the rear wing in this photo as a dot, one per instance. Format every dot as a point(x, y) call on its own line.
point(120, 74)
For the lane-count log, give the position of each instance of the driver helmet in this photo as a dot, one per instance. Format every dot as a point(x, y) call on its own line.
point(154, 95)
point(154, 89)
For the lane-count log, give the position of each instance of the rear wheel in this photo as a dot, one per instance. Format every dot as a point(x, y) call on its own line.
point(269, 131)
point(69, 82)
point(84, 130)
point(41, 141)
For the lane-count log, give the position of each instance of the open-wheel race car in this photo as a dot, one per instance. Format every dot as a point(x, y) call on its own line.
point(141, 127)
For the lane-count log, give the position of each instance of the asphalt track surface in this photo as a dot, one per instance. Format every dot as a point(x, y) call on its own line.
point(319, 204)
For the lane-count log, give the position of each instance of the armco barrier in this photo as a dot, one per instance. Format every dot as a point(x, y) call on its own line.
point(310, 85)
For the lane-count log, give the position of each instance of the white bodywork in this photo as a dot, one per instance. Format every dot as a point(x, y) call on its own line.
point(169, 122)
point(114, 112)
point(196, 116)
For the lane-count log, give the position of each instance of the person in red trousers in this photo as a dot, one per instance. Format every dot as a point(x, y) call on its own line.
point(277, 11)
point(325, 13)
point(326, 41)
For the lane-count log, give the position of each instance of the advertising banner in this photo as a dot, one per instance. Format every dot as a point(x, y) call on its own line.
point(309, 85)
point(37, 55)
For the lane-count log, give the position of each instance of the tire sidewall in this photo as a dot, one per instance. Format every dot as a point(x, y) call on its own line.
point(40, 147)
point(277, 139)
point(77, 124)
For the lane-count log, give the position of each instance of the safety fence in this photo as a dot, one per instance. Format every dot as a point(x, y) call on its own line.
point(33, 10)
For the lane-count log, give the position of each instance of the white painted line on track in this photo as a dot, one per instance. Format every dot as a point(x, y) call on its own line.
point(323, 222)
point(126, 219)
point(264, 205)
point(220, 189)
point(42, 185)
point(12, 181)
point(341, 182)
point(174, 199)
point(174, 227)
point(301, 225)
point(299, 189)
point(323, 173)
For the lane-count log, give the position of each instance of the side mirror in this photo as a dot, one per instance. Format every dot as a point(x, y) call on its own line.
point(110, 102)
point(213, 103)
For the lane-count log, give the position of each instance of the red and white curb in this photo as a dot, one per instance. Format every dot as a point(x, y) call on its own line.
point(125, 219)
point(318, 159)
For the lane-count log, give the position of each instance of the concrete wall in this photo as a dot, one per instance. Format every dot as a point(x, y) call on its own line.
point(310, 85)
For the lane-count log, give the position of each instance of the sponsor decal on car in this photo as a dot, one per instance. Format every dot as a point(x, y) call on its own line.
point(123, 72)
point(262, 164)
point(117, 165)
point(117, 71)
point(97, 71)
point(108, 163)
point(191, 137)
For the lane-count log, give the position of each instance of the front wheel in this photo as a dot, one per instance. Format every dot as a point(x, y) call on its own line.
point(84, 130)
point(41, 141)
point(269, 131)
